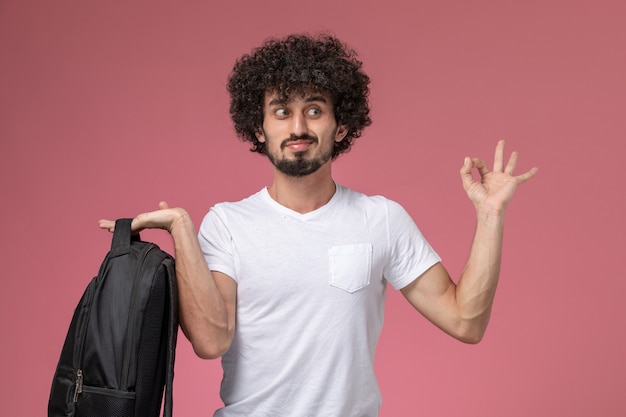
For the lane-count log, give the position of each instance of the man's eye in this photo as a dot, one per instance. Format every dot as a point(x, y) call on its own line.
point(313, 111)
point(281, 112)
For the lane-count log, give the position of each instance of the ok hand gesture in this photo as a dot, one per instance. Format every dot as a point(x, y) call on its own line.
point(495, 189)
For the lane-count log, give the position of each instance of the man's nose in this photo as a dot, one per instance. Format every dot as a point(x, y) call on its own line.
point(298, 125)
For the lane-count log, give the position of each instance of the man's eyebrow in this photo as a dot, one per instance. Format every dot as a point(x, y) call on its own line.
point(277, 101)
point(309, 99)
point(320, 98)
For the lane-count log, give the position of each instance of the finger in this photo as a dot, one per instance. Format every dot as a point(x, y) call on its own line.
point(480, 165)
point(510, 166)
point(467, 165)
point(498, 159)
point(527, 175)
point(145, 220)
point(107, 225)
point(466, 172)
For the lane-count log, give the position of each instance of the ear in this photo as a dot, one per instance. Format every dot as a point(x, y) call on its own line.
point(342, 131)
point(260, 136)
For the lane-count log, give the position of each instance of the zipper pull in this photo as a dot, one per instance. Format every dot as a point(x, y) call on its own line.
point(79, 384)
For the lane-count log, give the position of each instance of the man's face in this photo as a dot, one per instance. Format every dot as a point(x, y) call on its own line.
point(299, 133)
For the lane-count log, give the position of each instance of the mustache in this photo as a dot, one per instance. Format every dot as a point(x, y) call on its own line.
point(294, 138)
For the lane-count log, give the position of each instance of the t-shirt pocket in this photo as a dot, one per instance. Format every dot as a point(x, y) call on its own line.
point(350, 266)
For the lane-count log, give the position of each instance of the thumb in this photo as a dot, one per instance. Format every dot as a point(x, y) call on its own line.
point(466, 171)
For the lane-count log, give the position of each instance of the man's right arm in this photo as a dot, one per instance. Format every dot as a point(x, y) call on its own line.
point(207, 299)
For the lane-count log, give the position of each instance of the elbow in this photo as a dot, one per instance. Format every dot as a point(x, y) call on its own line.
point(211, 349)
point(472, 338)
point(209, 345)
point(470, 333)
point(209, 353)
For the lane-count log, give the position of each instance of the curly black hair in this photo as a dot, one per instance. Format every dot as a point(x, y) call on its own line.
point(298, 64)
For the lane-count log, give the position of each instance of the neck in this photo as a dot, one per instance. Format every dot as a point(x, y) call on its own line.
point(303, 194)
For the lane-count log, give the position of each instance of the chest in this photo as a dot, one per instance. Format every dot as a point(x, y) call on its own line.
point(309, 262)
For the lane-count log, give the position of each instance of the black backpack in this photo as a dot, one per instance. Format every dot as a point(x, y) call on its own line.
point(119, 350)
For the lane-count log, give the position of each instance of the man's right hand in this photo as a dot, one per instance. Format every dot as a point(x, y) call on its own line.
point(164, 218)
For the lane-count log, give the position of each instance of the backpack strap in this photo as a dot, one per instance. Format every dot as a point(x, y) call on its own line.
point(172, 317)
point(122, 237)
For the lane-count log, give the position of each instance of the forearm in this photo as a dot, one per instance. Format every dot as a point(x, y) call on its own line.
point(477, 285)
point(203, 314)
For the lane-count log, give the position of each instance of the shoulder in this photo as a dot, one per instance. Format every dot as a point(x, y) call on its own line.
point(377, 203)
point(227, 212)
point(245, 205)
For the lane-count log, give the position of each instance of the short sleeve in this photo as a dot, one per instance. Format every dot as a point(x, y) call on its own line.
point(217, 244)
point(410, 254)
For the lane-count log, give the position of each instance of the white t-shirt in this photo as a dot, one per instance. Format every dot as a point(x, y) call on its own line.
point(310, 300)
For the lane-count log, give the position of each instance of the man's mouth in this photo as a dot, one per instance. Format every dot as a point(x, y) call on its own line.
point(297, 144)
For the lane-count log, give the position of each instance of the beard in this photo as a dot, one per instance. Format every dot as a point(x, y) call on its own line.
point(300, 166)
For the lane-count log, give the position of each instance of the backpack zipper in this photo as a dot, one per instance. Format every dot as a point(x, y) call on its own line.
point(79, 384)
point(82, 334)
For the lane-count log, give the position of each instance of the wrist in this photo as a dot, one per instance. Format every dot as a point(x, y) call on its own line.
point(490, 216)
point(180, 222)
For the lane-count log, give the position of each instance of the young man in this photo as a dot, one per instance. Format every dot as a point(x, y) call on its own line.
point(288, 285)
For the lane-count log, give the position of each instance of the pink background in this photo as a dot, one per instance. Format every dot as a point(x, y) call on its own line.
point(108, 107)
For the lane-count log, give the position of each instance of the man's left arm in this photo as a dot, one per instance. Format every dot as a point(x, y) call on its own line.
point(463, 309)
